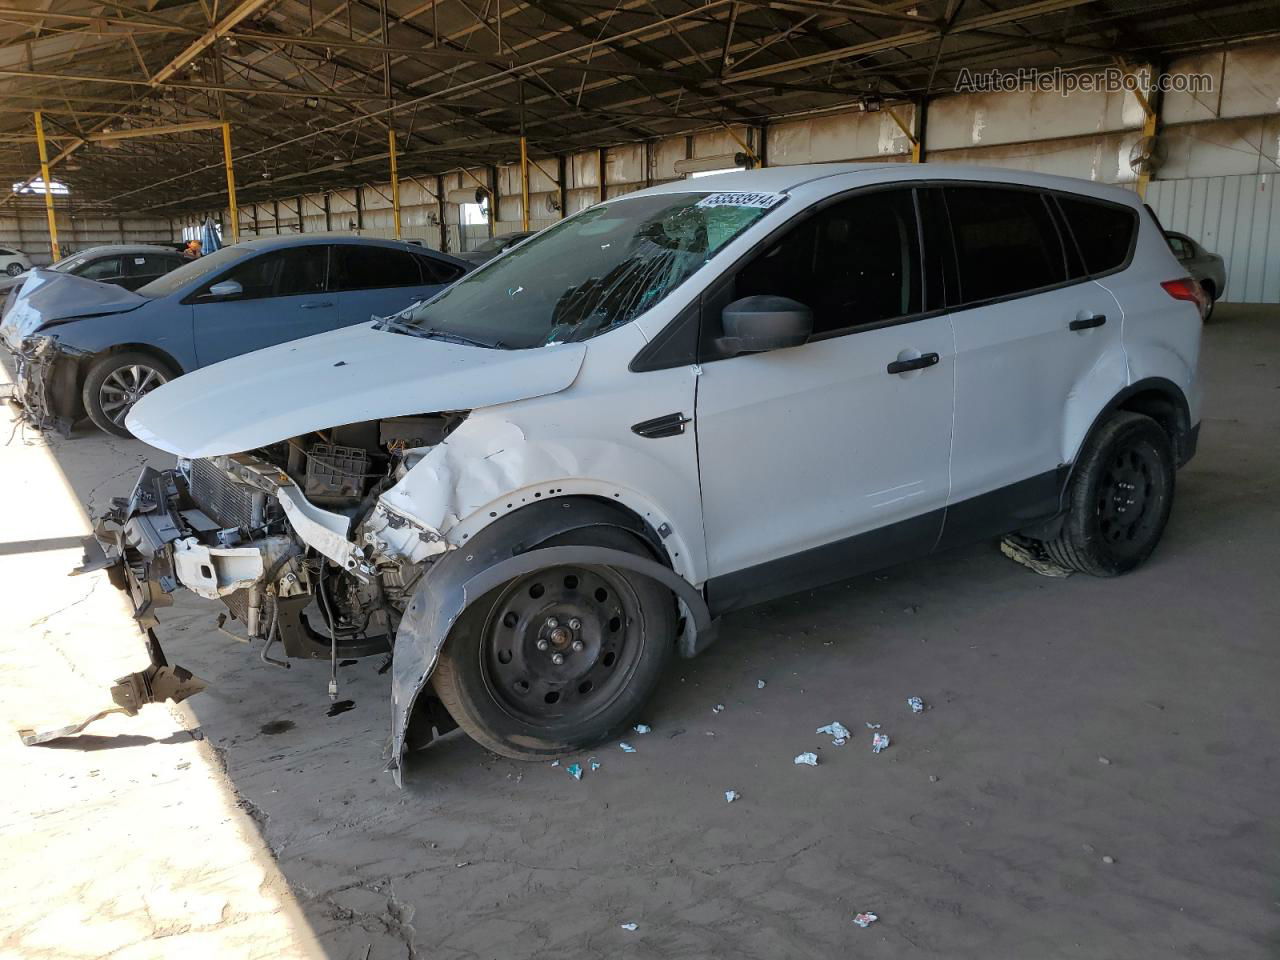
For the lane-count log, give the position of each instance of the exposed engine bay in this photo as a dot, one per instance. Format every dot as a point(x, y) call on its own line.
point(277, 535)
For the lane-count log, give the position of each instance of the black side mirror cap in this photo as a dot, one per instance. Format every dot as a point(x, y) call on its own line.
point(763, 322)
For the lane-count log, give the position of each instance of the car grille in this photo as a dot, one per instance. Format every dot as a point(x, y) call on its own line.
point(227, 502)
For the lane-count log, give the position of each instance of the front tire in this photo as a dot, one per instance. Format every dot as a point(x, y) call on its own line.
point(1119, 499)
point(611, 629)
point(116, 382)
point(13, 269)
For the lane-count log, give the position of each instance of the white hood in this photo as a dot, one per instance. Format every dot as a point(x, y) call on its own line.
point(345, 376)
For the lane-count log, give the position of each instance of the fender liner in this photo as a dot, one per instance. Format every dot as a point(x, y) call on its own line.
point(505, 549)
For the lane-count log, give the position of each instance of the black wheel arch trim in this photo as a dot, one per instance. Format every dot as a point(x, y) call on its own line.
point(508, 548)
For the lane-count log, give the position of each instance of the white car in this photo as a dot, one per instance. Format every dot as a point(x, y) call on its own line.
point(14, 261)
point(543, 482)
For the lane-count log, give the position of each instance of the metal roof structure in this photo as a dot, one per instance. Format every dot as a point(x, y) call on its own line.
point(311, 87)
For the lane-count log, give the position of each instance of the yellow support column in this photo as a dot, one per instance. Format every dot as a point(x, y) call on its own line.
point(48, 187)
point(395, 181)
point(231, 183)
point(524, 183)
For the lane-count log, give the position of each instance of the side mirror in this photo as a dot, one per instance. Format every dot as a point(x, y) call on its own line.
point(760, 323)
point(225, 289)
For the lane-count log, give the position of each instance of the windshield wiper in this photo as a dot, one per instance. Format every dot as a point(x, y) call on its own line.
point(396, 325)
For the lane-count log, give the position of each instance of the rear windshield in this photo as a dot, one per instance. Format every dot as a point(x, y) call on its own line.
point(586, 275)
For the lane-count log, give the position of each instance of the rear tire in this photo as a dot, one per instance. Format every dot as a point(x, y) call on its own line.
point(116, 382)
point(13, 269)
point(1119, 500)
point(509, 695)
point(1211, 292)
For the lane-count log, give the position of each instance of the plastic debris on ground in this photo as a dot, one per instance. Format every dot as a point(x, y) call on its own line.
point(629, 926)
point(807, 759)
point(838, 731)
point(594, 764)
point(642, 728)
point(916, 704)
point(627, 748)
point(872, 726)
point(555, 763)
point(731, 795)
point(574, 770)
point(865, 920)
point(718, 708)
point(759, 684)
point(879, 741)
point(1033, 556)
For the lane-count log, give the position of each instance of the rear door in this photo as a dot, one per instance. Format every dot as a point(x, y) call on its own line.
point(283, 297)
point(369, 280)
point(1031, 334)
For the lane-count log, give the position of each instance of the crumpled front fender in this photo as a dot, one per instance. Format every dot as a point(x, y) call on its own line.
point(468, 573)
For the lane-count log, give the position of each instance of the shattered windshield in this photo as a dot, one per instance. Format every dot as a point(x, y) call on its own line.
point(588, 274)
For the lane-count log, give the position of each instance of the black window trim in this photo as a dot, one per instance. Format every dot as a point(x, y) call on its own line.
point(1066, 226)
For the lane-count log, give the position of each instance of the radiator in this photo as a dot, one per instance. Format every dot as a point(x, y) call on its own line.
point(227, 501)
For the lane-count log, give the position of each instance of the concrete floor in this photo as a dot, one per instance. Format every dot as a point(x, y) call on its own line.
point(1096, 776)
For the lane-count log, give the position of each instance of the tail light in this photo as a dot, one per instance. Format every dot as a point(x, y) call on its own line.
point(1189, 290)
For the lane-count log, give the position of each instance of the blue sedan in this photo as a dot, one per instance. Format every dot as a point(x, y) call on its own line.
point(89, 348)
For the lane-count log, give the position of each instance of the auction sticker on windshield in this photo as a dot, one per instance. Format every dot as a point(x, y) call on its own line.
point(758, 200)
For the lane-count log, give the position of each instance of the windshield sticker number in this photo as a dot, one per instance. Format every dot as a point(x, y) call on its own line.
point(761, 201)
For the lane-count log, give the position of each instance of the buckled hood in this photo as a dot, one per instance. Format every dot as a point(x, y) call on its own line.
point(345, 376)
point(47, 296)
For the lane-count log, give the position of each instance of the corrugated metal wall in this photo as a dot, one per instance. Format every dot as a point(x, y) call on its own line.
point(1236, 217)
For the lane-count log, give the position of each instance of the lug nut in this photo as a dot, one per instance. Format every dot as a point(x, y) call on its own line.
point(542, 644)
point(557, 658)
point(579, 646)
point(552, 623)
point(575, 624)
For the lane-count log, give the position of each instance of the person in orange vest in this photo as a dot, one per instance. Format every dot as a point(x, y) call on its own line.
point(193, 250)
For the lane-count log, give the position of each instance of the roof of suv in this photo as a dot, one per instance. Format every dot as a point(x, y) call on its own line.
point(781, 179)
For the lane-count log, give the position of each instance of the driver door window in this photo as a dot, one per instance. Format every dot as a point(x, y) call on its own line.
point(281, 273)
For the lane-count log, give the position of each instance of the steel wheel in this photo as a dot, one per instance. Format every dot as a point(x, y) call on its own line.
point(125, 386)
point(561, 644)
point(1125, 501)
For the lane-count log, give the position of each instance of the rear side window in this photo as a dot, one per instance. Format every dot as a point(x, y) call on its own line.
point(1180, 247)
point(368, 267)
point(1006, 242)
point(150, 264)
point(1103, 231)
point(438, 271)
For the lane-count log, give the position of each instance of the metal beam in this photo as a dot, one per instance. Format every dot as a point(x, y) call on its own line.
point(132, 132)
point(206, 40)
point(395, 181)
point(48, 187)
point(231, 183)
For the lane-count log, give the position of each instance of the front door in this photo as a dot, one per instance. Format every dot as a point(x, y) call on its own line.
point(283, 297)
point(824, 460)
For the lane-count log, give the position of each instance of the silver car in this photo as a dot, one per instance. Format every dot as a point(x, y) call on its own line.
point(1207, 268)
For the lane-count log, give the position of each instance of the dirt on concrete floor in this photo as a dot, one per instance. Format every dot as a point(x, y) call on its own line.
point(1095, 776)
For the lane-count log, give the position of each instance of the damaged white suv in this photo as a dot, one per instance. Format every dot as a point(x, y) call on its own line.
point(539, 485)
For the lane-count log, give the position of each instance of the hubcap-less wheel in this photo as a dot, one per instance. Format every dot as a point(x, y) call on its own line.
point(561, 644)
point(126, 386)
point(1126, 511)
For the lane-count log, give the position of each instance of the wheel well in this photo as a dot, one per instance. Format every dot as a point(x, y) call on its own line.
point(602, 510)
point(126, 348)
point(1164, 409)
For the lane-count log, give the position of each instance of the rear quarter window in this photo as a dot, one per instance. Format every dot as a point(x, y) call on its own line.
point(1104, 232)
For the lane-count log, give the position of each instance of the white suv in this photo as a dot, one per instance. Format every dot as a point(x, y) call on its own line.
point(542, 482)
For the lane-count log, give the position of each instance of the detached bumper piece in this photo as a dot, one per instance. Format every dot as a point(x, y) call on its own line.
point(45, 387)
point(156, 684)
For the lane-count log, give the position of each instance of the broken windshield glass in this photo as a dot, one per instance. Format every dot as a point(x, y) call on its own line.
point(591, 273)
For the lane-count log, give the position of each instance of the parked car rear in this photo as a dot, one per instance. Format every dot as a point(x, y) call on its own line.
point(85, 347)
point(1208, 269)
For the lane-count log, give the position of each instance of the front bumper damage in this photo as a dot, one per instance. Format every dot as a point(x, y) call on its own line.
point(46, 384)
